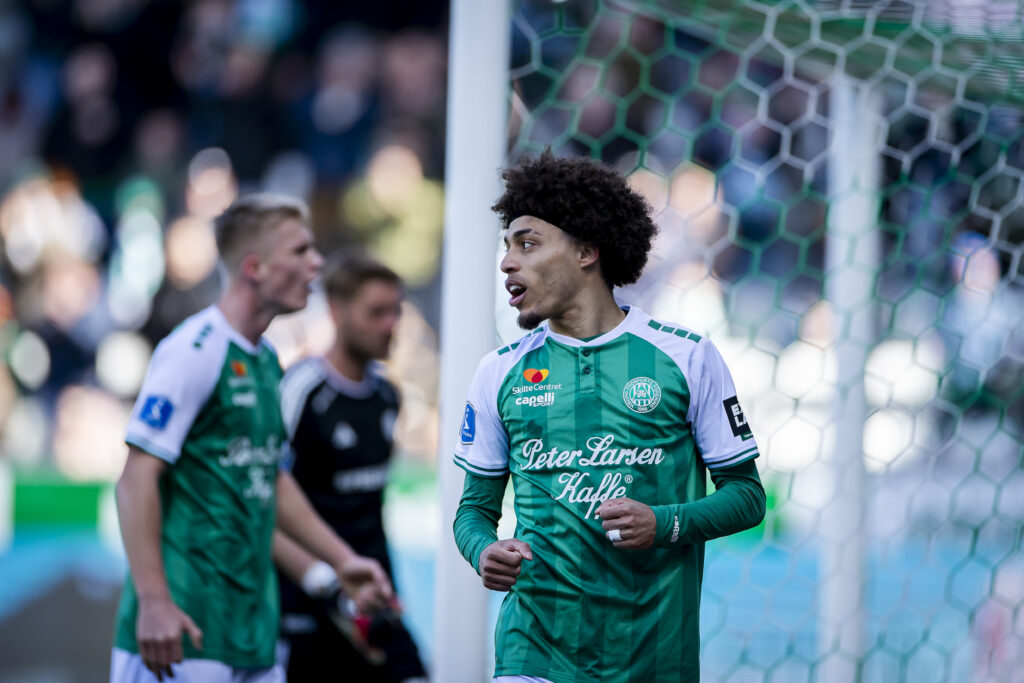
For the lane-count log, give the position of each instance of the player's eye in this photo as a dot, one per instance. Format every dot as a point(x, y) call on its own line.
point(527, 244)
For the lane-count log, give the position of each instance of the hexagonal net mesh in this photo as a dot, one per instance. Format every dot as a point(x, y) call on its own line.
point(838, 191)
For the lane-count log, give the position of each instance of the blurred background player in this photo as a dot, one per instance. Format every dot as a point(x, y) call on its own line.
point(202, 486)
point(606, 420)
point(340, 414)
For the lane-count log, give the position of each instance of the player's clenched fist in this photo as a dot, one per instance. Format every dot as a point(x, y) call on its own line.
point(158, 633)
point(500, 563)
point(364, 580)
point(629, 524)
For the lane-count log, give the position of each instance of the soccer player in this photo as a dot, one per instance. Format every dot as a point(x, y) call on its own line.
point(606, 421)
point(340, 414)
point(202, 488)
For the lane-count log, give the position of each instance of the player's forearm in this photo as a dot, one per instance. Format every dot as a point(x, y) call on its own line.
point(138, 509)
point(298, 520)
point(476, 520)
point(738, 503)
point(290, 557)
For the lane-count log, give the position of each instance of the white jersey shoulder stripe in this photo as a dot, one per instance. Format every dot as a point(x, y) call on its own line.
point(295, 387)
point(710, 385)
point(185, 368)
point(482, 448)
point(500, 361)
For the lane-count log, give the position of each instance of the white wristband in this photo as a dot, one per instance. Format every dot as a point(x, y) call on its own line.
point(320, 581)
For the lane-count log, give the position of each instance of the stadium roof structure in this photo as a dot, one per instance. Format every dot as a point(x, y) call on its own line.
point(971, 50)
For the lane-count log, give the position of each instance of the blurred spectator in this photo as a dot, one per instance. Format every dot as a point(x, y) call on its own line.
point(126, 125)
point(983, 329)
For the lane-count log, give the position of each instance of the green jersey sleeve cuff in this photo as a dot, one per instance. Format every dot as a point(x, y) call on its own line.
point(667, 524)
point(735, 459)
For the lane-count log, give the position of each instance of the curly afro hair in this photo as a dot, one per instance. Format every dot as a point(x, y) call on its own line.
point(590, 201)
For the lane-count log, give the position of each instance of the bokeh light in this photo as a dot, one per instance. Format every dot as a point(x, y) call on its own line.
point(121, 361)
point(70, 288)
point(40, 213)
point(211, 183)
point(191, 251)
point(136, 267)
point(30, 360)
point(25, 436)
point(88, 438)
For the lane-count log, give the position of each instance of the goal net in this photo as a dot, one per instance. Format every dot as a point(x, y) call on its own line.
point(838, 190)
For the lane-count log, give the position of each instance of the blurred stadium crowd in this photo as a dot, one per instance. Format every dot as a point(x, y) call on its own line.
point(126, 125)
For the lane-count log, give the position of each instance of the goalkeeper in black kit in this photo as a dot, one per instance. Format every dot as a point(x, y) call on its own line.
point(340, 414)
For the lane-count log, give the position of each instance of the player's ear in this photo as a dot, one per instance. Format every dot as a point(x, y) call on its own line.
point(334, 306)
point(251, 266)
point(587, 254)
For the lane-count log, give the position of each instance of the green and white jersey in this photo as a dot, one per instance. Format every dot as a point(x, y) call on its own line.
point(209, 406)
point(639, 412)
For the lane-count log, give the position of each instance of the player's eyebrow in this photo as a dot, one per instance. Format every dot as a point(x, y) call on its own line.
point(518, 233)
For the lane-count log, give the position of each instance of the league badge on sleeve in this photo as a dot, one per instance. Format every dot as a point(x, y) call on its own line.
point(468, 431)
point(737, 420)
point(156, 411)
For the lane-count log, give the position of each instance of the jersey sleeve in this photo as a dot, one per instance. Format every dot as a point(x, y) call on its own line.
point(483, 442)
point(720, 428)
point(180, 378)
point(295, 388)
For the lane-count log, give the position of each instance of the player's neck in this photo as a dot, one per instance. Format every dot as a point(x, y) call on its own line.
point(592, 313)
point(345, 363)
point(242, 310)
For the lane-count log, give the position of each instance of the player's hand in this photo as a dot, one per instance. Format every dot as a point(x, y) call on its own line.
point(158, 632)
point(500, 563)
point(629, 520)
point(365, 582)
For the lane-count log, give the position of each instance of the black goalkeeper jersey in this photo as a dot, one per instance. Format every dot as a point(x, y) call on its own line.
point(341, 436)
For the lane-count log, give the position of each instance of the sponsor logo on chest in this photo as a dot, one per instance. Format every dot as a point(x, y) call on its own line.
point(535, 394)
point(361, 480)
point(244, 399)
point(259, 463)
point(544, 400)
point(579, 482)
point(240, 376)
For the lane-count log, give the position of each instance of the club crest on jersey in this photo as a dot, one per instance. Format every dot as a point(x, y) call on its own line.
point(535, 376)
point(641, 394)
point(468, 431)
point(156, 411)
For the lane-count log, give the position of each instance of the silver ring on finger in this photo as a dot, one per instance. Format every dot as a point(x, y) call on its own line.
point(614, 535)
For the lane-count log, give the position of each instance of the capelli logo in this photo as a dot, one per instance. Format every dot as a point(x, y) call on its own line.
point(544, 400)
point(535, 376)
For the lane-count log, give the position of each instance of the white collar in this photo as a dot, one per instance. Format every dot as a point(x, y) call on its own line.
point(633, 315)
point(346, 386)
point(234, 334)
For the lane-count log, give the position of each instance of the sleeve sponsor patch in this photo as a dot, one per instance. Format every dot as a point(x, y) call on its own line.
point(468, 431)
point(737, 420)
point(156, 411)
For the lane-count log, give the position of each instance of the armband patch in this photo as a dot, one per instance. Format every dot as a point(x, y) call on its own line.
point(737, 420)
point(468, 431)
point(156, 411)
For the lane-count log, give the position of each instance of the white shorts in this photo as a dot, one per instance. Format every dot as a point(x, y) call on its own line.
point(126, 667)
point(520, 679)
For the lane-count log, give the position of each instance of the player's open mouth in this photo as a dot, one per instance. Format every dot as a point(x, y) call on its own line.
point(517, 291)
